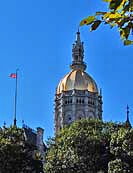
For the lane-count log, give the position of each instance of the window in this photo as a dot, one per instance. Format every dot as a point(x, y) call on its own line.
point(69, 120)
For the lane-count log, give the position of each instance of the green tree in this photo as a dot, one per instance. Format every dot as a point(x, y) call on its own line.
point(121, 146)
point(15, 153)
point(82, 147)
point(91, 146)
point(119, 14)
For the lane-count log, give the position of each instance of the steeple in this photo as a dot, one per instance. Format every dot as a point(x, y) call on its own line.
point(78, 36)
point(127, 113)
point(78, 54)
point(127, 123)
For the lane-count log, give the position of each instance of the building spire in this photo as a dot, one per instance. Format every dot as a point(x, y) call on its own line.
point(78, 54)
point(78, 36)
point(127, 113)
point(128, 124)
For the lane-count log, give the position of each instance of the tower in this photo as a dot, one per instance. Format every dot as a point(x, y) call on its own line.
point(77, 95)
point(127, 123)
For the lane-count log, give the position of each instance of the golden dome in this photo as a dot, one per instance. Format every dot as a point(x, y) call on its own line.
point(79, 80)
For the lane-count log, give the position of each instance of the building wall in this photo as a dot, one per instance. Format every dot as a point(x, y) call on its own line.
point(74, 105)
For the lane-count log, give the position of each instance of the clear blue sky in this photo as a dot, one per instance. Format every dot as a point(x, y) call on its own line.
point(37, 38)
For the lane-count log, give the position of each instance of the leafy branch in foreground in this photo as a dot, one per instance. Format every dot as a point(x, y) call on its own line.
point(119, 14)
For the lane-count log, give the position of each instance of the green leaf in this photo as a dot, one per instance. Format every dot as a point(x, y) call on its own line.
point(115, 16)
point(121, 5)
point(87, 21)
point(95, 25)
point(128, 42)
point(131, 6)
point(100, 13)
point(126, 9)
point(114, 4)
point(127, 31)
point(123, 21)
point(112, 25)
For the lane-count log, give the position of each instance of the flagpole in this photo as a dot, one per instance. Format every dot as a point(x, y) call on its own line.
point(16, 93)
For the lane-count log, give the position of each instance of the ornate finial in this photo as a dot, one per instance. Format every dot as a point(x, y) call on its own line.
point(78, 36)
point(78, 54)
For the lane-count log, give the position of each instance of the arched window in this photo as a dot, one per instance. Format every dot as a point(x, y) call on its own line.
point(91, 115)
point(69, 119)
point(80, 114)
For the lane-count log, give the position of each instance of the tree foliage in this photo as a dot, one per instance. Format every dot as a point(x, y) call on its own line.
point(121, 146)
point(119, 14)
point(16, 156)
point(90, 146)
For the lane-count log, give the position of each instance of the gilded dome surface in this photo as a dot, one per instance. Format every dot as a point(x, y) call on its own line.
point(79, 80)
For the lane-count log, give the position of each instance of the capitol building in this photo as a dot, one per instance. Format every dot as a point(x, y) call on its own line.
point(77, 94)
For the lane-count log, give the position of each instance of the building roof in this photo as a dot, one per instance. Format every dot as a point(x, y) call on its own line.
point(77, 79)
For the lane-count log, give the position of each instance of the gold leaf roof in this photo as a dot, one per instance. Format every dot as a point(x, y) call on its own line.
point(79, 80)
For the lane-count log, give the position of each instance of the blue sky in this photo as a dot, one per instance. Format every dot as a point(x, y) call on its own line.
point(37, 38)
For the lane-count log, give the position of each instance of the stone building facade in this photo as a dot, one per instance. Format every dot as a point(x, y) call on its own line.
point(77, 95)
point(35, 139)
